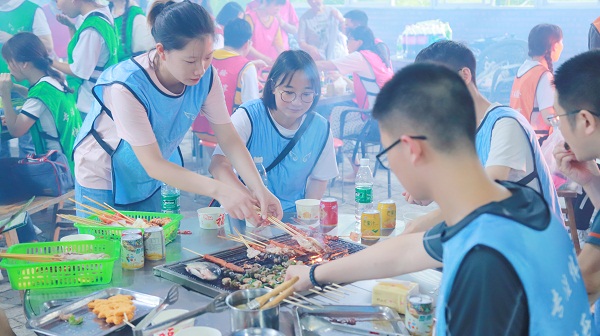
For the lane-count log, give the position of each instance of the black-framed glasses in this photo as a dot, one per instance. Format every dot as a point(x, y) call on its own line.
point(382, 157)
point(554, 120)
point(290, 96)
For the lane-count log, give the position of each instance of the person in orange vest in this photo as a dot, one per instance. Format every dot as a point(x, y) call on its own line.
point(238, 74)
point(532, 93)
point(594, 35)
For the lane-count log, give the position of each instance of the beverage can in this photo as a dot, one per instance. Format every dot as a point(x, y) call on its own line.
point(154, 243)
point(329, 211)
point(131, 232)
point(370, 225)
point(419, 314)
point(132, 251)
point(387, 209)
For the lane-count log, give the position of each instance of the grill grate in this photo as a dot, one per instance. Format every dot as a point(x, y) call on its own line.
point(176, 271)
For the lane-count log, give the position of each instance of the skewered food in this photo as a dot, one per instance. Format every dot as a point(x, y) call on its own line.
point(223, 263)
point(204, 270)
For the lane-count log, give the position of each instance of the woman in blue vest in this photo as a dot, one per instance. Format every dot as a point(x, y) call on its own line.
point(285, 115)
point(144, 106)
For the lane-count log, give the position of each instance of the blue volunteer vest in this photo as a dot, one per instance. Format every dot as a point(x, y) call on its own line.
point(551, 278)
point(288, 179)
point(170, 116)
point(541, 173)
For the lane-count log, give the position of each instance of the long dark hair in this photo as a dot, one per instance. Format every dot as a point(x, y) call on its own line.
point(124, 22)
point(175, 24)
point(26, 47)
point(365, 34)
point(541, 39)
point(286, 65)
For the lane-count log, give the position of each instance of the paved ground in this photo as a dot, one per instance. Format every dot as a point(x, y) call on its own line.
point(10, 300)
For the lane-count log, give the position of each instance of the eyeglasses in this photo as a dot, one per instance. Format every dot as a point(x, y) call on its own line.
point(382, 157)
point(290, 96)
point(554, 120)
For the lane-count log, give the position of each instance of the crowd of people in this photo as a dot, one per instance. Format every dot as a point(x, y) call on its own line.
point(135, 82)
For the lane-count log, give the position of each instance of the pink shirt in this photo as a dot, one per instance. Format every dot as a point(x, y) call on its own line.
point(92, 163)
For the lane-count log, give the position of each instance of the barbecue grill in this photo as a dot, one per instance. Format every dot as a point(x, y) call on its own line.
point(176, 272)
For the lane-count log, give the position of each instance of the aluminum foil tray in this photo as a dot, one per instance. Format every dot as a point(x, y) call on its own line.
point(50, 323)
point(376, 318)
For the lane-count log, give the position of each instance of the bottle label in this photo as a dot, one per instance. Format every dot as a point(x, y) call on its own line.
point(170, 203)
point(363, 195)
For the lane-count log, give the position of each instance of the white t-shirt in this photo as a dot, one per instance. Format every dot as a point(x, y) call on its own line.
point(325, 168)
point(544, 93)
point(90, 52)
point(355, 62)
point(511, 148)
point(37, 110)
point(40, 23)
point(142, 39)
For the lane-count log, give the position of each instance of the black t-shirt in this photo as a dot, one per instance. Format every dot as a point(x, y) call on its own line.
point(487, 296)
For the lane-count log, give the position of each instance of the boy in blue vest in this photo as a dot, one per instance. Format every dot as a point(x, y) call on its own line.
point(504, 140)
point(577, 107)
point(500, 277)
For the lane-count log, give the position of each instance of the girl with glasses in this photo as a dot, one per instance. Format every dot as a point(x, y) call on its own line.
point(285, 114)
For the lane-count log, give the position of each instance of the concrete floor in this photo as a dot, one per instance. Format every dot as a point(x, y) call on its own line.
point(11, 302)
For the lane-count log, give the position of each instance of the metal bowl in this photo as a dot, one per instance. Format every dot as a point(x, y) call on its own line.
point(243, 318)
point(258, 332)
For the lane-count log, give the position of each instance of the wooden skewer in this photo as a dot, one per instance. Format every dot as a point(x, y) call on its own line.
point(367, 237)
point(29, 257)
point(127, 218)
point(194, 252)
point(258, 236)
point(313, 302)
point(297, 304)
point(343, 288)
point(329, 291)
point(254, 241)
point(333, 290)
point(81, 220)
point(126, 320)
point(324, 294)
point(242, 238)
point(85, 212)
point(94, 210)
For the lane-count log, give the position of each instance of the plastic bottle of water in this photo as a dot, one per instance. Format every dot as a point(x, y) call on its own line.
point(258, 161)
point(170, 199)
point(363, 189)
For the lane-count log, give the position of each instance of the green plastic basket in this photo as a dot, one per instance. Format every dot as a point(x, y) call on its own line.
point(31, 275)
point(114, 232)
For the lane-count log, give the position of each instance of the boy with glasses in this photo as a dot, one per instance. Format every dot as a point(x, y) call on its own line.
point(295, 142)
point(497, 276)
point(577, 106)
point(505, 142)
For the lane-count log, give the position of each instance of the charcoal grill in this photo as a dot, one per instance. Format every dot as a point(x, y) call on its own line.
point(176, 272)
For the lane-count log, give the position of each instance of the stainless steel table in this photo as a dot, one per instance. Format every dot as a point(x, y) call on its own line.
point(206, 241)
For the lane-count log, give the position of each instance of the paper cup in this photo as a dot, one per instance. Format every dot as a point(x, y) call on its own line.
point(308, 210)
point(199, 331)
point(77, 237)
point(169, 314)
point(211, 218)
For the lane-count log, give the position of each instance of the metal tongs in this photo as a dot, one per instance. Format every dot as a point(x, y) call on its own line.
point(145, 328)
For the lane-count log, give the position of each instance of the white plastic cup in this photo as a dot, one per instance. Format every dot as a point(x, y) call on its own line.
point(169, 314)
point(199, 331)
point(77, 237)
point(308, 210)
point(211, 218)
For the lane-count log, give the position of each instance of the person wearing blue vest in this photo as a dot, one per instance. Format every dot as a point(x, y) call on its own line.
point(509, 267)
point(128, 144)
point(505, 141)
point(294, 141)
point(577, 107)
